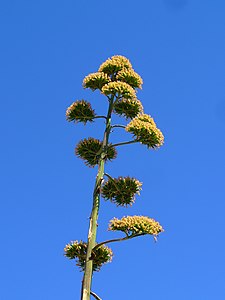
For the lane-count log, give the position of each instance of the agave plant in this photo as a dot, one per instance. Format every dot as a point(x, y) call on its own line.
point(118, 82)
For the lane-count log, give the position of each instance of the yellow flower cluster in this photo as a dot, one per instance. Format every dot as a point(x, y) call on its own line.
point(95, 80)
point(130, 77)
point(120, 89)
point(136, 225)
point(145, 131)
point(114, 64)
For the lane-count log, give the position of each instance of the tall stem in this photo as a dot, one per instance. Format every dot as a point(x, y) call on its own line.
point(87, 279)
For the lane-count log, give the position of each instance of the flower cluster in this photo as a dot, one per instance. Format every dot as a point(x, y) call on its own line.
point(119, 89)
point(90, 150)
point(129, 108)
point(130, 77)
point(95, 81)
point(115, 64)
point(78, 250)
point(121, 190)
point(136, 225)
point(80, 111)
point(145, 131)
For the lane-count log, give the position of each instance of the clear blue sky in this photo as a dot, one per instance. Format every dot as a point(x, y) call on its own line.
point(178, 47)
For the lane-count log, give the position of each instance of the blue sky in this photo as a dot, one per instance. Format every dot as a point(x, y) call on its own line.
point(178, 47)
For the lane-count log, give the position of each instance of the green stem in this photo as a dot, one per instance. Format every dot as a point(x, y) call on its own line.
point(110, 177)
point(98, 117)
point(125, 143)
point(118, 125)
point(128, 237)
point(95, 117)
point(88, 271)
point(112, 181)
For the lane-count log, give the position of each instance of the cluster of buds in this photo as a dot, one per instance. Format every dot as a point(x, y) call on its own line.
point(90, 151)
point(121, 191)
point(78, 250)
point(128, 108)
point(80, 111)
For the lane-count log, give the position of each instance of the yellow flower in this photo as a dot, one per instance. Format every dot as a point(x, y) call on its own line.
point(130, 77)
point(132, 225)
point(96, 80)
point(145, 131)
point(114, 64)
point(119, 89)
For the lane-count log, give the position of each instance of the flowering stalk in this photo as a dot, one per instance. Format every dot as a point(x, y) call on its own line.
point(117, 80)
point(86, 285)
